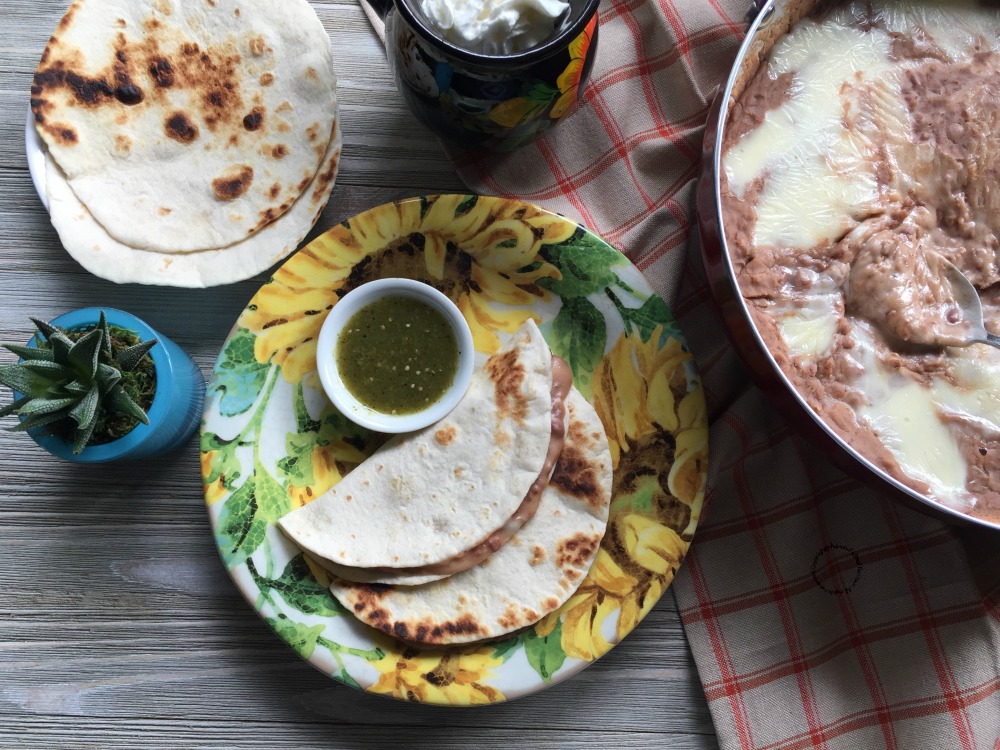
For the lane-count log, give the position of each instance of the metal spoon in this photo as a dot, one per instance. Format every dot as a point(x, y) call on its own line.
point(971, 308)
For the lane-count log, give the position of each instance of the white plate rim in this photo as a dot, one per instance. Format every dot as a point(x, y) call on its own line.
point(35, 151)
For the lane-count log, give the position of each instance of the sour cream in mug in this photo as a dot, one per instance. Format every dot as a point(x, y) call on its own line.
point(494, 27)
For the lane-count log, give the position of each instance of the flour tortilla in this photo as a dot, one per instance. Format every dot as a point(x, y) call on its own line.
point(186, 125)
point(367, 575)
point(427, 496)
point(377, 575)
point(534, 573)
point(93, 248)
point(417, 576)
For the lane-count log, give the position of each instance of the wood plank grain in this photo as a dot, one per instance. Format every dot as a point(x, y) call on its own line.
point(119, 626)
point(250, 734)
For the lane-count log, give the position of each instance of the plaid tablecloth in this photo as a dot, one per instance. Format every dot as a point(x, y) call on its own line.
point(820, 615)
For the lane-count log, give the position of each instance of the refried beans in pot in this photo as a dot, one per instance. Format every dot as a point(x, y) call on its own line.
point(863, 154)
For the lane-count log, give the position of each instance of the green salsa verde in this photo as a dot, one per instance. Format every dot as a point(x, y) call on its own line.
point(397, 355)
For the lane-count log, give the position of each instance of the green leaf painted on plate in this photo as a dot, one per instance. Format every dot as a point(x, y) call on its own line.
point(238, 375)
point(224, 463)
point(506, 649)
point(466, 205)
point(645, 318)
point(585, 262)
point(239, 528)
point(579, 335)
point(296, 467)
point(302, 638)
point(344, 677)
point(303, 422)
point(300, 589)
point(272, 498)
point(545, 653)
point(246, 514)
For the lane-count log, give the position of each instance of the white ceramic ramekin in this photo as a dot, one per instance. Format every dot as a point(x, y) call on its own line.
point(344, 400)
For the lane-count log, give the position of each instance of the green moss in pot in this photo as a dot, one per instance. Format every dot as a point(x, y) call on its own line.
point(99, 385)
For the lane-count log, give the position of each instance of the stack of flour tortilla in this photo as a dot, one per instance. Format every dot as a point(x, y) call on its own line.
point(189, 142)
point(478, 525)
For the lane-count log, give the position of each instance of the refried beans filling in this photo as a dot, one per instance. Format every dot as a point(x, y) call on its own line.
point(935, 174)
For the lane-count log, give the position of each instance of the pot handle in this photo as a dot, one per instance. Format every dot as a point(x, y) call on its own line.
point(756, 8)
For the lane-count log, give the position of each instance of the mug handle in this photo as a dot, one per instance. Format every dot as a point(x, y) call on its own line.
point(377, 10)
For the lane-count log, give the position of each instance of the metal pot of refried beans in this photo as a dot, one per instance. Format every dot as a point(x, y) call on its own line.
point(853, 153)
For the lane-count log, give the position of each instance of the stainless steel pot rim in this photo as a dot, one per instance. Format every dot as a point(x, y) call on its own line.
point(764, 16)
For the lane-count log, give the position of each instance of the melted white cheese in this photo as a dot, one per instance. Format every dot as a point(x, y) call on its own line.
point(801, 145)
point(956, 25)
point(976, 394)
point(808, 331)
point(906, 418)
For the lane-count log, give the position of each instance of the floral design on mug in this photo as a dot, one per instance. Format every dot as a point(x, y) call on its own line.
point(538, 97)
point(501, 106)
point(569, 81)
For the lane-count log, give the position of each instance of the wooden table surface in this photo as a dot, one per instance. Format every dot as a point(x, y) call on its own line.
point(119, 626)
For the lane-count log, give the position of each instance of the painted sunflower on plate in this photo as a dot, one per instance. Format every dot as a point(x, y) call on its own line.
point(659, 442)
point(481, 252)
point(449, 678)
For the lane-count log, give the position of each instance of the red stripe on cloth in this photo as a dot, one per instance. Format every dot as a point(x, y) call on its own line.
point(675, 239)
point(910, 709)
point(769, 566)
point(644, 257)
point(696, 294)
point(728, 605)
point(734, 28)
point(582, 178)
point(731, 691)
point(991, 603)
point(607, 14)
point(632, 68)
point(781, 512)
point(939, 657)
point(678, 236)
point(565, 183)
point(679, 27)
point(764, 443)
point(618, 138)
point(716, 689)
point(855, 633)
point(653, 102)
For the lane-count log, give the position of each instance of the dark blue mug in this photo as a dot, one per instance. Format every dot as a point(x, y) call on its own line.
point(498, 102)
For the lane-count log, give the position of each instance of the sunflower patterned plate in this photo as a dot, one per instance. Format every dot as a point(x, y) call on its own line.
point(271, 441)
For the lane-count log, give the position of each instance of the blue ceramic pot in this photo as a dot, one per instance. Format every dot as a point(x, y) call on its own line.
point(497, 102)
point(176, 409)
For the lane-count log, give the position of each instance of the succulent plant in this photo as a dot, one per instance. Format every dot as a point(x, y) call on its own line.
point(72, 381)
